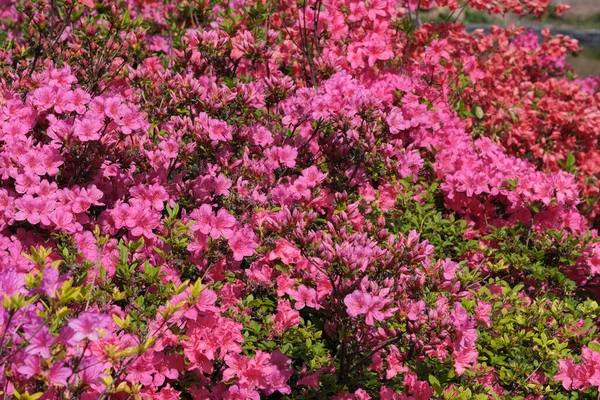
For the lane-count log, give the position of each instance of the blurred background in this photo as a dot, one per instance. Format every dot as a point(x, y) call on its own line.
point(584, 15)
point(582, 22)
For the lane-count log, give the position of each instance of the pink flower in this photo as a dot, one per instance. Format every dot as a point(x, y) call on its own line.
point(76, 101)
point(121, 214)
point(141, 370)
point(50, 161)
point(260, 136)
point(90, 325)
point(129, 120)
point(31, 367)
point(282, 156)
point(580, 377)
point(58, 375)
point(89, 3)
point(361, 394)
point(285, 284)
point(243, 243)
point(286, 252)
point(28, 207)
point(40, 344)
point(356, 303)
point(265, 371)
point(311, 380)
point(155, 195)
point(167, 393)
point(167, 366)
point(223, 224)
point(219, 130)
point(170, 148)
point(204, 305)
point(145, 223)
point(51, 281)
point(482, 313)
point(416, 310)
point(30, 161)
point(222, 185)
point(91, 370)
point(87, 129)
point(464, 359)
point(26, 183)
point(305, 297)
point(386, 393)
point(436, 50)
point(313, 176)
point(211, 336)
point(203, 217)
point(567, 371)
point(287, 156)
point(113, 108)
point(465, 353)
point(359, 302)
point(46, 189)
point(44, 97)
point(394, 363)
point(235, 392)
point(377, 49)
point(11, 282)
point(470, 67)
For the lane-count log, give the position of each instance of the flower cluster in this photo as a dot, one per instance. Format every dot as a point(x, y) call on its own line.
point(244, 199)
point(580, 376)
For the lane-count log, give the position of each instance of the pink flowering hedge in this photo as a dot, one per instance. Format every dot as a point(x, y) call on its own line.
point(294, 200)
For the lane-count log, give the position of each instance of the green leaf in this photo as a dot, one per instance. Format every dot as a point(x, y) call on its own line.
point(102, 274)
point(479, 112)
point(594, 346)
point(435, 383)
point(134, 246)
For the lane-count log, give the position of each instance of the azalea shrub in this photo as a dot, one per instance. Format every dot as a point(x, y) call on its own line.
point(294, 200)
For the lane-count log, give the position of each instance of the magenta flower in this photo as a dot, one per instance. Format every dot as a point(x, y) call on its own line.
point(30, 367)
point(305, 297)
point(243, 243)
point(28, 207)
point(219, 130)
point(203, 217)
point(359, 302)
point(90, 325)
point(482, 313)
point(58, 375)
point(76, 100)
point(41, 343)
point(222, 224)
point(87, 129)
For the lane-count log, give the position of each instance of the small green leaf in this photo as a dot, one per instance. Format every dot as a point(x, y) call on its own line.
point(594, 346)
point(478, 112)
point(435, 383)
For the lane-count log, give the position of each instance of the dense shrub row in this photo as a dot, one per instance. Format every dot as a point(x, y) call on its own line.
point(279, 199)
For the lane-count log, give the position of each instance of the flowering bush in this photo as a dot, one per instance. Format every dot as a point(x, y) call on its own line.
point(244, 200)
